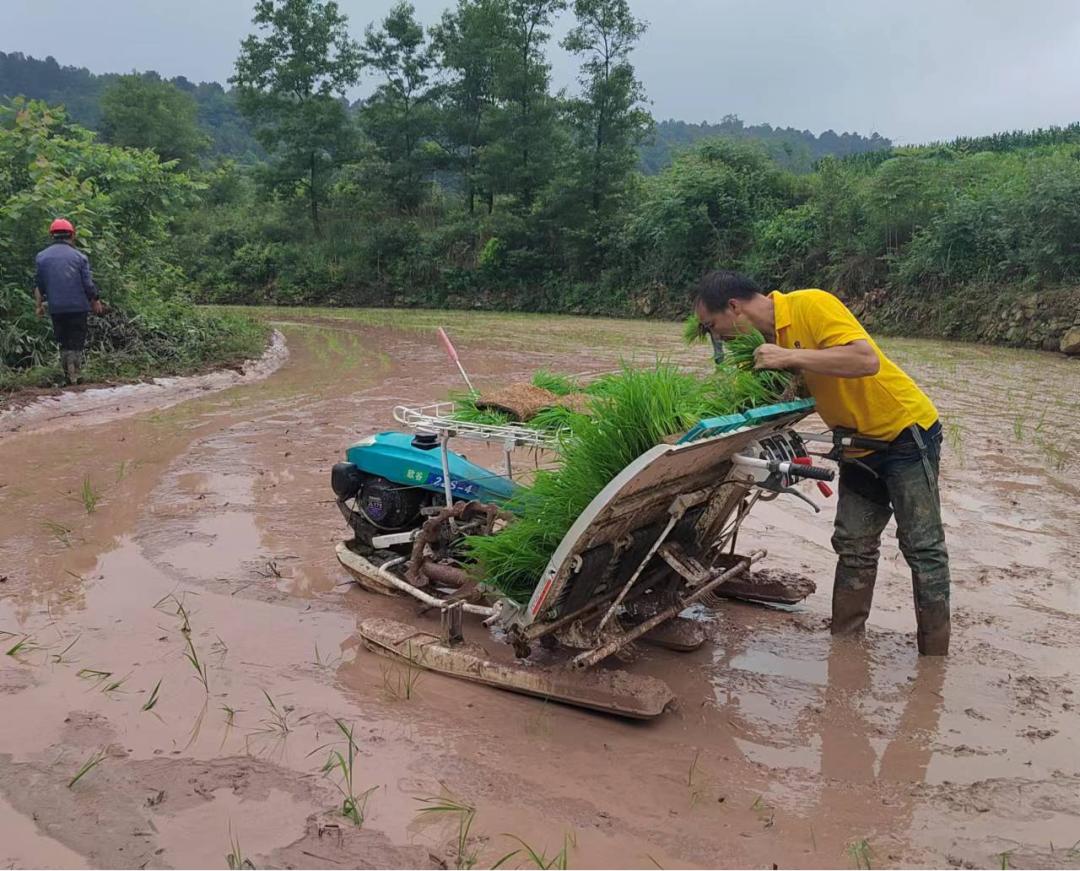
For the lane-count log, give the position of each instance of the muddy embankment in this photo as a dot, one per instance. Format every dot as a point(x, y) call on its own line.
point(176, 628)
point(1047, 320)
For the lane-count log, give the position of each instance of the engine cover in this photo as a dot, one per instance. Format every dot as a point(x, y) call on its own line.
point(388, 505)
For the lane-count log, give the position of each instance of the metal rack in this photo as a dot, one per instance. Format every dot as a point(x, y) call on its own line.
point(438, 418)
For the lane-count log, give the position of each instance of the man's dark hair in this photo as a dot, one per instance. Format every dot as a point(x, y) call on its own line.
point(718, 287)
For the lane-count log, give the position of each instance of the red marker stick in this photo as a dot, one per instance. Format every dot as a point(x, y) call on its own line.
point(452, 353)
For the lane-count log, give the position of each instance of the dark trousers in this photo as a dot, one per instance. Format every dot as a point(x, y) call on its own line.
point(70, 330)
point(900, 482)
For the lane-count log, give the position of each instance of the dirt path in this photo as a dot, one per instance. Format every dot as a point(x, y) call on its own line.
point(215, 515)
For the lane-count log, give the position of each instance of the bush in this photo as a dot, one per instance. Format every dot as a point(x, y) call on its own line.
point(120, 200)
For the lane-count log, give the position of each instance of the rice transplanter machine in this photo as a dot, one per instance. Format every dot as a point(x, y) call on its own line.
point(659, 538)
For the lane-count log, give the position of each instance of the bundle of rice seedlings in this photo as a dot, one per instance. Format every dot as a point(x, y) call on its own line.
point(466, 411)
point(739, 356)
point(560, 385)
point(558, 418)
point(632, 411)
point(693, 331)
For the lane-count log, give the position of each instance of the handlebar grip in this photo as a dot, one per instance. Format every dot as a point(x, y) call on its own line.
point(818, 473)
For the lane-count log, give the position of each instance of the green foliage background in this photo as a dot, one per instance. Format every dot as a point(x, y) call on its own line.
point(120, 199)
point(464, 181)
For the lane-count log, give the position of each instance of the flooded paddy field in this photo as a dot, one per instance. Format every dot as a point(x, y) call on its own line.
point(181, 642)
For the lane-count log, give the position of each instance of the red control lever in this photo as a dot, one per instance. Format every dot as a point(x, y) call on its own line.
point(823, 488)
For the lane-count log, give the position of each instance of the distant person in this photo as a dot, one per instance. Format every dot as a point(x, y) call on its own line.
point(856, 387)
point(65, 285)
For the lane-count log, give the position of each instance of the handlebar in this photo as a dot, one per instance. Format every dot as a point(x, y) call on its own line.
point(817, 473)
point(841, 438)
point(865, 443)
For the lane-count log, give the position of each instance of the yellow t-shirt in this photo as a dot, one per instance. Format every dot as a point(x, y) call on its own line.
point(877, 406)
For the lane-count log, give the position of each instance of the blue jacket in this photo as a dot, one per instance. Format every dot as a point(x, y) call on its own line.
point(63, 277)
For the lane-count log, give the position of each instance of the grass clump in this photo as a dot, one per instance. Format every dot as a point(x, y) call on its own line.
point(632, 411)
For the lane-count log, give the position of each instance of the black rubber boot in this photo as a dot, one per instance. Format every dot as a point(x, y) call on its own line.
point(70, 364)
point(850, 608)
point(933, 628)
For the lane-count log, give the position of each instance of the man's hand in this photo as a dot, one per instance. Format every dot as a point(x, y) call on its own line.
point(97, 307)
point(769, 356)
point(39, 309)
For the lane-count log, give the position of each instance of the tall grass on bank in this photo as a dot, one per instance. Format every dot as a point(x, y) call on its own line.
point(636, 409)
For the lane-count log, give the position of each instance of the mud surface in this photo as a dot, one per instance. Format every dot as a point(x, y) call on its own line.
point(156, 548)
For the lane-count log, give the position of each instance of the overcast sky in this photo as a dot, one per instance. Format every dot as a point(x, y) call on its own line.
point(913, 71)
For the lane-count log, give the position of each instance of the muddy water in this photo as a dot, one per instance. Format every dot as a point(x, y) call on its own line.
point(189, 548)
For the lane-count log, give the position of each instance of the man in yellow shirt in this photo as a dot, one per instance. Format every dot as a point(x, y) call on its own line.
point(856, 387)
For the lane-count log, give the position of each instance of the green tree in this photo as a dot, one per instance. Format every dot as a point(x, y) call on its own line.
point(525, 143)
point(291, 81)
point(400, 116)
point(607, 121)
point(142, 111)
point(701, 212)
point(467, 43)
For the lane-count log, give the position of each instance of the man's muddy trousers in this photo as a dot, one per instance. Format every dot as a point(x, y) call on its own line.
point(902, 480)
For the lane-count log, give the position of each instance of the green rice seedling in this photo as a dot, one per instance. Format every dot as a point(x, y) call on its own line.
point(98, 676)
point(230, 721)
point(353, 806)
point(860, 853)
point(540, 859)
point(765, 811)
point(176, 606)
point(323, 661)
point(1018, 427)
point(58, 531)
point(399, 682)
point(560, 385)
point(1055, 455)
point(196, 725)
point(954, 434)
point(23, 645)
point(278, 719)
point(58, 658)
point(89, 765)
point(89, 496)
point(115, 685)
point(463, 814)
point(221, 649)
point(192, 656)
point(1004, 857)
point(152, 701)
point(235, 857)
point(693, 781)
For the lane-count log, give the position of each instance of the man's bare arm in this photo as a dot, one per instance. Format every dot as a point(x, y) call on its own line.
point(854, 360)
point(39, 303)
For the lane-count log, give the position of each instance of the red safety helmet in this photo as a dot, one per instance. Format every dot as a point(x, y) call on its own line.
point(62, 225)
